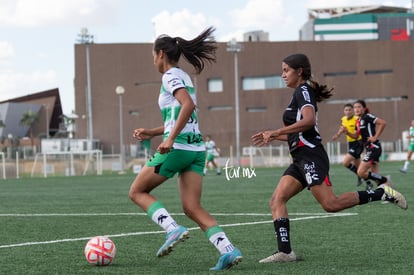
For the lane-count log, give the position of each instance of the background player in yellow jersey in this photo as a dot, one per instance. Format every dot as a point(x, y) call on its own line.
point(353, 158)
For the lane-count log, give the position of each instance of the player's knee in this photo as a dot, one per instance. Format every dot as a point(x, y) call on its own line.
point(134, 194)
point(272, 201)
point(362, 174)
point(276, 201)
point(132, 197)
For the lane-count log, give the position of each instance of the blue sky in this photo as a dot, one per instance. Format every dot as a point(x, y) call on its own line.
point(38, 36)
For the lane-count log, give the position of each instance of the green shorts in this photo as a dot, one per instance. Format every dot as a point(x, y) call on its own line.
point(210, 157)
point(411, 147)
point(178, 161)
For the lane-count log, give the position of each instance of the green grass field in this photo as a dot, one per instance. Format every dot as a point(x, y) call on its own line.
point(45, 224)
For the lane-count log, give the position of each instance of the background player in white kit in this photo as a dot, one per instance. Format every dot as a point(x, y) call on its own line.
point(410, 148)
point(212, 151)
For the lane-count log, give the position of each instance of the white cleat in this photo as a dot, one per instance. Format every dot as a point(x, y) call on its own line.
point(279, 257)
point(393, 196)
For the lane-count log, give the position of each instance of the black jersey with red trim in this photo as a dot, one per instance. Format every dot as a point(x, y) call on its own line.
point(366, 126)
point(303, 95)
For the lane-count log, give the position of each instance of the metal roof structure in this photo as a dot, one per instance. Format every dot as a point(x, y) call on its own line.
point(46, 103)
point(341, 11)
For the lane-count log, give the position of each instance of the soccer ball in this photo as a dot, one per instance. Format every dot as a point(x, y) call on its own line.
point(100, 250)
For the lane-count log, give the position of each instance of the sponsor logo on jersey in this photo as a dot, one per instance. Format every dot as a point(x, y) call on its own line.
point(305, 93)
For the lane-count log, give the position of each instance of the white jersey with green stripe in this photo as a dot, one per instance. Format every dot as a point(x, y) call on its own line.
point(190, 137)
point(210, 146)
point(411, 133)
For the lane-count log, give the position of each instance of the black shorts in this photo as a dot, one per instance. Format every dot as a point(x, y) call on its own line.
point(310, 166)
point(373, 152)
point(355, 148)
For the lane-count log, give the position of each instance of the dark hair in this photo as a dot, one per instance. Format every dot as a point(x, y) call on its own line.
point(363, 104)
point(196, 51)
point(348, 105)
point(297, 61)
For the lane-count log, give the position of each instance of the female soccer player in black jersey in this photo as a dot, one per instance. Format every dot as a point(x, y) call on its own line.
point(352, 158)
point(369, 127)
point(310, 167)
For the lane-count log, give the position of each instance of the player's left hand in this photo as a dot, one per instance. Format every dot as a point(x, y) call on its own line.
point(165, 146)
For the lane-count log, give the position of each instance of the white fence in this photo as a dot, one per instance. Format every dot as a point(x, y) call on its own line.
point(93, 162)
point(277, 156)
point(88, 161)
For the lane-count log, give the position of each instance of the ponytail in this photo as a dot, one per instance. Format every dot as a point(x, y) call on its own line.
point(197, 51)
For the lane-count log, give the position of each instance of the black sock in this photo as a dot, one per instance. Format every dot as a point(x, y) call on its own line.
point(370, 195)
point(352, 168)
point(282, 234)
point(378, 178)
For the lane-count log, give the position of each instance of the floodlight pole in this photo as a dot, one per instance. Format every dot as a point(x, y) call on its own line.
point(235, 48)
point(119, 90)
point(87, 39)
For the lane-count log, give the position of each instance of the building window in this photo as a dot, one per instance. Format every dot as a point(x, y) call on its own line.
point(262, 83)
point(256, 109)
point(331, 74)
point(220, 108)
point(215, 85)
point(385, 71)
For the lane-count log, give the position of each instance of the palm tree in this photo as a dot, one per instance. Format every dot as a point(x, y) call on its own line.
point(29, 117)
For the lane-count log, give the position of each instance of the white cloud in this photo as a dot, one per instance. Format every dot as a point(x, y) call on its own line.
point(238, 35)
point(6, 50)
point(255, 15)
point(271, 16)
point(183, 23)
point(260, 14)
point(29, 13)
point(15, 84)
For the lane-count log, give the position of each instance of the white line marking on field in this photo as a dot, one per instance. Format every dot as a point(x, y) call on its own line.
point(312, 216)
point(145, 214)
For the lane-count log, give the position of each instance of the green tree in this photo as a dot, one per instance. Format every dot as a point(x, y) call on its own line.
point(28, 119)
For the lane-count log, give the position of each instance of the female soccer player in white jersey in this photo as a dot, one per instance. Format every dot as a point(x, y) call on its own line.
point(182, 150)
point(410, 148)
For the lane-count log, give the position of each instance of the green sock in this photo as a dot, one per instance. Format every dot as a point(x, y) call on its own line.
point(160, 216)
point(218, 238)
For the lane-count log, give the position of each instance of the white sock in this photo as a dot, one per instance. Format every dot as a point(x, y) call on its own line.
point(406, 164)
point(221, 242)
point(164, 219)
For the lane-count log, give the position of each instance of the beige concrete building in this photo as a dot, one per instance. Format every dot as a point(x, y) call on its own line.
point(378, 71)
